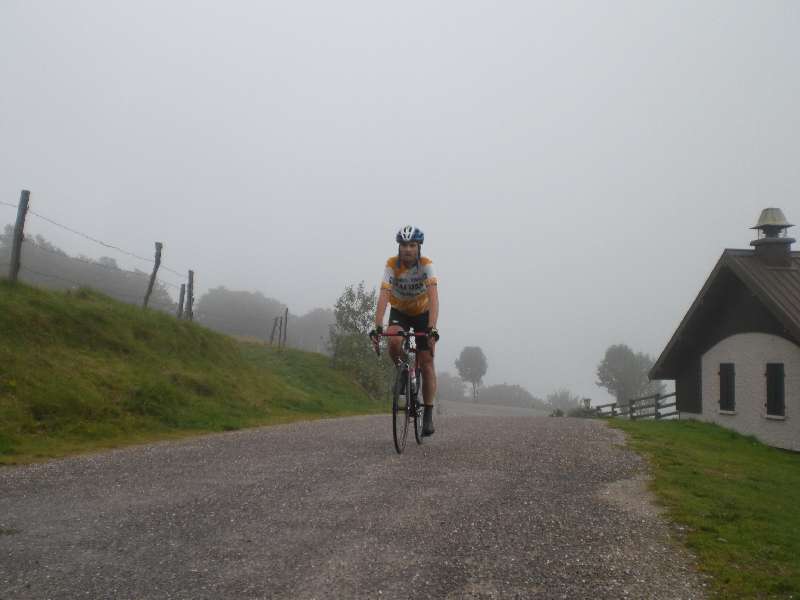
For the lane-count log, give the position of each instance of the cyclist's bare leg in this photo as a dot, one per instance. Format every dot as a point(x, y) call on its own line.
point(395, 343)
point(428, 377)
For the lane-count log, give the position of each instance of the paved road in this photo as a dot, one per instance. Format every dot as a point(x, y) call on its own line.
point(504, 507)
point(470, 409)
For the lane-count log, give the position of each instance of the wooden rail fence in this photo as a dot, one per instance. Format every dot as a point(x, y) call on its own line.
point(655, 406)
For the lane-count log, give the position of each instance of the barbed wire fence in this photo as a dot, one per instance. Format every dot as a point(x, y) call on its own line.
point(183, 309)
point(19, 240)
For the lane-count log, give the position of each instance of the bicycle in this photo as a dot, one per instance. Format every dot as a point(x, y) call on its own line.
point(407, 406)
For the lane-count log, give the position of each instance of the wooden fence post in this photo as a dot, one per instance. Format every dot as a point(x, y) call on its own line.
point(285, 326)
point(19, 235)
point(180, 300)
point(190, 298)
point(152, 282)
point(280, 330)
point(655, 405)
point(274, 328)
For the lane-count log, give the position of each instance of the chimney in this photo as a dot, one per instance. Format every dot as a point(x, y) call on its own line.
point(773, 247)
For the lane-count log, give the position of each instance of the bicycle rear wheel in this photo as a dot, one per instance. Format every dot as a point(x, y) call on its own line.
point(400, 402)
point(418, 410)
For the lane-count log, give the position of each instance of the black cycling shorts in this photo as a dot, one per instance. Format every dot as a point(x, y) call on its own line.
point(419, 323)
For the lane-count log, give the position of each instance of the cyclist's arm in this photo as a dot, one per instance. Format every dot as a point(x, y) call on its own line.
point(433, 304)
point(383, 301)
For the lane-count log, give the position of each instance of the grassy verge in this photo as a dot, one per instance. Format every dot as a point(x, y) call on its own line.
point(79, 371)
point(739, 499)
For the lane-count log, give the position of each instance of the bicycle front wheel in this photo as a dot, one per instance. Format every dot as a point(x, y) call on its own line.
point(418, 410)
point(400, 402)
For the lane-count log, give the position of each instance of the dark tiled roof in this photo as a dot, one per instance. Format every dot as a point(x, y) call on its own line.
point(777, 288)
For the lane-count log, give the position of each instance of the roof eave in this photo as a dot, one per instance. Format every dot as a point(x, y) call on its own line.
point(657, 371)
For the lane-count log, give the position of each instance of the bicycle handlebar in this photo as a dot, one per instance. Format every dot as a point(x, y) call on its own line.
point(403, 334)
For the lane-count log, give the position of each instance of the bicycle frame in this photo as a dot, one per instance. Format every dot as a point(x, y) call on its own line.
point(408, 371)
point(409, 345)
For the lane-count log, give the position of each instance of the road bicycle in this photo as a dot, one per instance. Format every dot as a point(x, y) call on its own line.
point(407, 404)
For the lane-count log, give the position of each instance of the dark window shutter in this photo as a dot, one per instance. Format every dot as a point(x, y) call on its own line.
point(775, 389)
point(727, 386)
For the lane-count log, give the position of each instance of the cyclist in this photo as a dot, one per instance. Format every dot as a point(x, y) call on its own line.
point(410, 286)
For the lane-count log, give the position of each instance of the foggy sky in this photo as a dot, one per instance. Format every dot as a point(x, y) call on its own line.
point(577, 167)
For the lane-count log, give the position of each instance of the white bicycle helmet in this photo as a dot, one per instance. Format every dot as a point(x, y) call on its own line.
point(409, 233)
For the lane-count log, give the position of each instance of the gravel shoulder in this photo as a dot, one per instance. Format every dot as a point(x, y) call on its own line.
point(490, 507)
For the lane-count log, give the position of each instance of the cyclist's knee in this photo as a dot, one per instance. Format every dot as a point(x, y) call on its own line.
point(395, 343)
point(395, 350)
point(426, 362)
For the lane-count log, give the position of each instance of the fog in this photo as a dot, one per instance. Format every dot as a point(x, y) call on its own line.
point(577, 167)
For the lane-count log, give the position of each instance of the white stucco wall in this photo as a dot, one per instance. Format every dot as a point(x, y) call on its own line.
point(750, 353)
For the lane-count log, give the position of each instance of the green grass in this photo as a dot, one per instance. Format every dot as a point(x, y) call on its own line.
point(739, 499)
point(79, 371)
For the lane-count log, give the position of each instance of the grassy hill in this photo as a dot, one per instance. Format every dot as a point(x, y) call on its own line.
point(80, 371)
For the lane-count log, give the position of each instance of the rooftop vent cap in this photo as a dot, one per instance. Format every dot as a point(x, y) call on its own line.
point(772, 223)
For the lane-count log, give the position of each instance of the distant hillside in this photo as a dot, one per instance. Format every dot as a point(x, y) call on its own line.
point(79, 370)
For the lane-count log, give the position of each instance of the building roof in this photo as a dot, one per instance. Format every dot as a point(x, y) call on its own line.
point(776, 288)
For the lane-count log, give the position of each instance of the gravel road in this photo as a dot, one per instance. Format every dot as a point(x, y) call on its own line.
point(490, 507)
point(470, 409)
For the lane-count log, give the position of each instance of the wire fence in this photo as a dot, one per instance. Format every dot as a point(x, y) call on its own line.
point(62, 254)
point(94, 264)
point(90, 238)
point(102, 243)
point(91, 279)
point(61, 261)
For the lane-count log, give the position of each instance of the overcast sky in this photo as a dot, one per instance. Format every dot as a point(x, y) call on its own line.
point(577, 167)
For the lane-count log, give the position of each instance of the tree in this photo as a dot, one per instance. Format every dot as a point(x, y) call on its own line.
point(450, 388)
point(311, 331)
point(510, 395)
point(472, 366)
point(351, 349)
point(562, 401)
point(237, 312)
point(354, 311)
point(107, 262)
point(48, 247)
point(624, 374)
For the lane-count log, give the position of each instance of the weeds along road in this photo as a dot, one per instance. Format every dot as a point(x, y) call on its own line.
point(490, 507)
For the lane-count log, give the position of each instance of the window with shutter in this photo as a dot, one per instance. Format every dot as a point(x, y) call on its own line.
point(775, 389)
point(727, 387)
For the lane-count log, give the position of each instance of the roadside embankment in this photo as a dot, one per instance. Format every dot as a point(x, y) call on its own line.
point(79, 371)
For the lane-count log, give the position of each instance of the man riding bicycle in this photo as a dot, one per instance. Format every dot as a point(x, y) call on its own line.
point(410, 286)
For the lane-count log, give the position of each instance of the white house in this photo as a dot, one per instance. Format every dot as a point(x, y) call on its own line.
point(735, 356)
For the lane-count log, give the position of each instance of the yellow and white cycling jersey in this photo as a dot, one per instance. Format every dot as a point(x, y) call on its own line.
point(408, 287)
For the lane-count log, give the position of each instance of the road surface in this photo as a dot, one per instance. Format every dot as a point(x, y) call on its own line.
point(490, 507)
